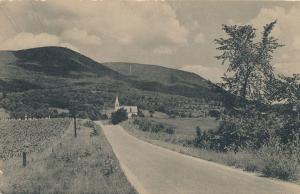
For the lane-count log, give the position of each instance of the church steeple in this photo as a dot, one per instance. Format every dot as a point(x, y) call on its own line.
point(117, 104)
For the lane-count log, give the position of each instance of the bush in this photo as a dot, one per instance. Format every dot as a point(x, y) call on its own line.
point(156, 127)
point(214, 113)
point(201, 138)
point(89, 124)
point(170, 130)
point(280, 161)
point(151, 112)
point(93, 113)
point(140, 113)
point(142, 123)
point(119, 116)
point(248, 131)
point(104, 117)
point(152, 126)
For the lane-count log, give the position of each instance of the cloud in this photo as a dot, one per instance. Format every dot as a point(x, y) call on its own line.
point(287, 68)
point(296, 43)
point(147, 25)
point(233, 22)
point(127, 30)
point(25, 40)
point(81, 36)
point(163, 50)
point(287, 31)
point(213, 74)
point(200, 38)
point(267, 15)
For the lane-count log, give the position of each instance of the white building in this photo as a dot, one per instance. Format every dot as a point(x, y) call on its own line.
point(131, 110)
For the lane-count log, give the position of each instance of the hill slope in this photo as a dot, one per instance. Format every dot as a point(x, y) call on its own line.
point(34, 80)
point(155, 73)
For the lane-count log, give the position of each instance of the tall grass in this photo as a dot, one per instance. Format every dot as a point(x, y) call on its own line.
point(280, 161)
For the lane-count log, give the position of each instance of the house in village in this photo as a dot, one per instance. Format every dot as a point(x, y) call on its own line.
point(131, 110)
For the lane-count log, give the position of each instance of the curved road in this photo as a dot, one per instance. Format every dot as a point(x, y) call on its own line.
point(155, 170)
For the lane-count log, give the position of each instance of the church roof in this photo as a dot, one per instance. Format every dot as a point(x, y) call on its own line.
point(130, 109)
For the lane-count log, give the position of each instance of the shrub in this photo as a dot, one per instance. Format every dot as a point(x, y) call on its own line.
point(250, 130)
point(140, 113)
point(280, 161)
point(201, 138)
point(170, 130)
point(104, 117)
point(155, 127)
point(289, 131)
point(94, 113)
point(214, 113)
point(119, 116)
point(89, 124)
point(151, 112)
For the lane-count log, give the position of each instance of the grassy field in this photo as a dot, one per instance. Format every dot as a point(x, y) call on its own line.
point(184, 127)
point(187, 126)
point(85, 164)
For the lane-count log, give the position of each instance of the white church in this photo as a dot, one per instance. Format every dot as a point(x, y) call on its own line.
point(131, 110)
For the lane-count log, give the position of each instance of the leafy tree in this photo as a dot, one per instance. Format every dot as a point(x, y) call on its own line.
point(287, 89)
point(249, 69)
point(119, 116)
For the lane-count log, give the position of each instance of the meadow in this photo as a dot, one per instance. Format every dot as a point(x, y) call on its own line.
point(184, 127)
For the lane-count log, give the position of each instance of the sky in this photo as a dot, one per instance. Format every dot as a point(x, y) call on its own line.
point(176, 34)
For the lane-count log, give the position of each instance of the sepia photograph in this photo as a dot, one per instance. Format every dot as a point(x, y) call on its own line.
point(149, 97)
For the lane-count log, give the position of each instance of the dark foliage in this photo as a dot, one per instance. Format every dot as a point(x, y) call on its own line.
point(119, 116)
point(250, 131)
point(145, 124)
point(214, 113)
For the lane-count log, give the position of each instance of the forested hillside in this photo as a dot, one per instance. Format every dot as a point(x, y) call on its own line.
point(34, 80)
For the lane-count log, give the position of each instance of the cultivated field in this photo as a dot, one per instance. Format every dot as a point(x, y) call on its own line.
point(30, 135)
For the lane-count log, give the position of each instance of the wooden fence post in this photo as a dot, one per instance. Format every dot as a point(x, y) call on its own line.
point(24, 159)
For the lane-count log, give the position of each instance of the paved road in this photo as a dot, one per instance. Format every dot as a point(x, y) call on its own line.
point(155, 170)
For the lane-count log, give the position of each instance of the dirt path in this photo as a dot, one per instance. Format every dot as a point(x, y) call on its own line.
point(154, 170)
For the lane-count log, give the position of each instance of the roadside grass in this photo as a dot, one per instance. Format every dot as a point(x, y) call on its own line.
point(264, 162)
point(85, 164)
point(187, 126)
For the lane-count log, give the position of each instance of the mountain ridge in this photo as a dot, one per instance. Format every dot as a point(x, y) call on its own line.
point(51, 73)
